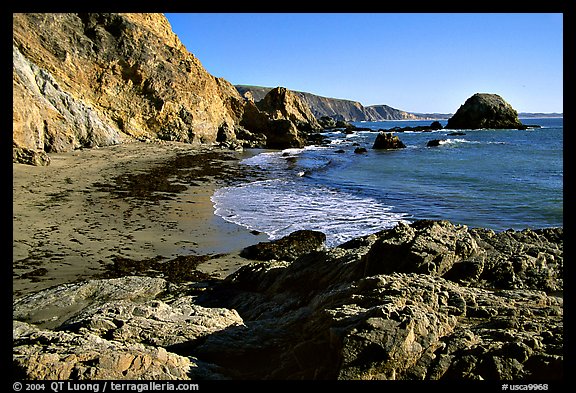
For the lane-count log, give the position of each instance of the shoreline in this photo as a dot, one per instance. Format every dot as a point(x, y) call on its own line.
point(135, 201)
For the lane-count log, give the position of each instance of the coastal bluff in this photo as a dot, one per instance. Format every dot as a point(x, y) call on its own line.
point(429, 300)
point(89, 80)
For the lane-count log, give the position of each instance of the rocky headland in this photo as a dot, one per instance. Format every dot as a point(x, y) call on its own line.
point(422, 301)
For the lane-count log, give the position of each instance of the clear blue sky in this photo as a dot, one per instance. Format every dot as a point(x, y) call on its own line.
point(415, 62)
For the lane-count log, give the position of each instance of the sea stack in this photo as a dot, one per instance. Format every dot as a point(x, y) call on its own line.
point(484, 110)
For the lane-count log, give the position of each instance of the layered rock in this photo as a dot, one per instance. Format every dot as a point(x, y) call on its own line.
point(425, 301)
point(485, 111)
point(87, 80)
point(45, 354)
point(83, 80)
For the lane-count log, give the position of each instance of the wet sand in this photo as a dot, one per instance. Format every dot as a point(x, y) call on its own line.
point(137, 201)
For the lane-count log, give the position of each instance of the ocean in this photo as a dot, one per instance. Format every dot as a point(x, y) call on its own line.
point(496, 179)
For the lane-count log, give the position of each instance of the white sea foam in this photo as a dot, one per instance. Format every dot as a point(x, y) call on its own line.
point(280, 207)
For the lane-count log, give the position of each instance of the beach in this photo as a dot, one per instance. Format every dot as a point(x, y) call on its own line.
point(133, 201)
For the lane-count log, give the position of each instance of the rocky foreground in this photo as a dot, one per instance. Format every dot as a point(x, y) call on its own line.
point(425, 301)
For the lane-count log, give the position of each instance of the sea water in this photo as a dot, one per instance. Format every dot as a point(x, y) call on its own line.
point(496, 179)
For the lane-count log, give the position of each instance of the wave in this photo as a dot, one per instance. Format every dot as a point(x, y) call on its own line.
point(279, 207)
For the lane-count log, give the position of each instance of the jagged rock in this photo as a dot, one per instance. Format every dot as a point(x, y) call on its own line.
point(423, 301)
point(281, 103)
point(30, 157)
point(287, 248)
point(485, 111)
point(249, 139)
point(153, 322)
point(280, 133)
point(327, 122)
point(45, 354)
point(386, 140)
point(347, 313)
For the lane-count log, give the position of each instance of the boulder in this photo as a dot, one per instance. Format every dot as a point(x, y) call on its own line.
point(435, 142)
point(53, 306)
point(30, 156)
point(287, 248)
point(485, 111)
point(387, 140)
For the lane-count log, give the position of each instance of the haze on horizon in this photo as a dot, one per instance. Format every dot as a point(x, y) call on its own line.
point(426, 63)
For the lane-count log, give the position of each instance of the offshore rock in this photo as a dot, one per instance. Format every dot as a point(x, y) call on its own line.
point(387, 140)
point(485, 111)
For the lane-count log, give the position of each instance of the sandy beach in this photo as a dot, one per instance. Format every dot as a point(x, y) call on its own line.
point(137, 201)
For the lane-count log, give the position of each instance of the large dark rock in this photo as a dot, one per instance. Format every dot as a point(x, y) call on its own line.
point(287, 248)
point(485, 111)
point(387, 140)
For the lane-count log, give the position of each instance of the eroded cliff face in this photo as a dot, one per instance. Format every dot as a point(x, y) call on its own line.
point(83, 80)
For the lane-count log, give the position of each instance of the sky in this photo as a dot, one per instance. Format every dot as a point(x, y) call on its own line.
point(425, 63)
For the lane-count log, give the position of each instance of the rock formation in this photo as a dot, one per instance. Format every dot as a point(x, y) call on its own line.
point(86, 80)
point(485, 111)
point(95, 79)
point(281, 117)
point(425, 301)
point(288, 248)
point(282, 103)
point(387, 140)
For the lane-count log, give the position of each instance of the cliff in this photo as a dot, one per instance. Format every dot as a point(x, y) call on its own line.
point(85, 80)
point(336, 108)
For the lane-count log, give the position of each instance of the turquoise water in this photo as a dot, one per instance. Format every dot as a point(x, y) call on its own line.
point(496, 179)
